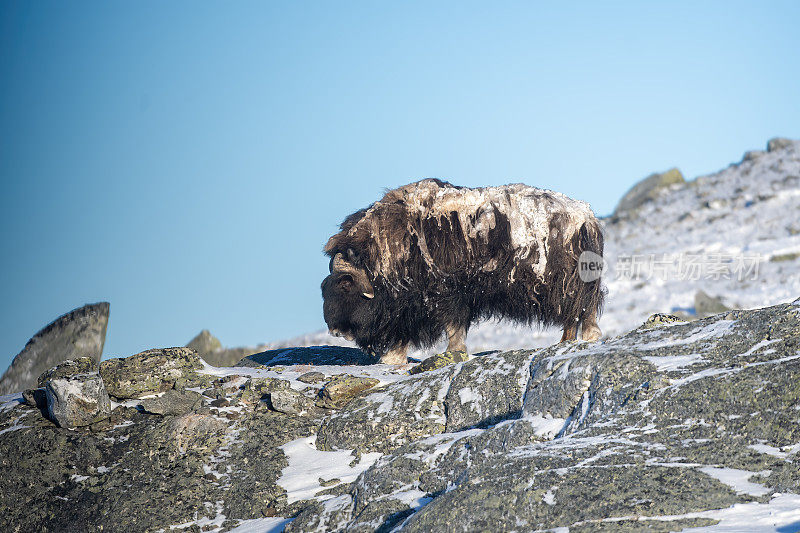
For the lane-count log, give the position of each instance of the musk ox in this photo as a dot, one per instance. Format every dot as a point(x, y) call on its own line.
point(431, 258)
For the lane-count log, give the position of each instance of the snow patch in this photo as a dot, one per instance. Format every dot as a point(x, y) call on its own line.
point(307, 465)
point(670, 363)
point(546, 426)
point(737, 480)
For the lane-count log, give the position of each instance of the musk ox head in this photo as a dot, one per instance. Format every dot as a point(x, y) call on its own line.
point(348, 298)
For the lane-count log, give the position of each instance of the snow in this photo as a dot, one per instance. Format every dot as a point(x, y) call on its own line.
point(737, 480)
point(546, 426)
point(307, 465)
point(9, 401)
point(781, 514)
point(670, 363)
point(14, 426)
point(262, 525)
point(467, 395)
point(781, 453)
point(385, 374)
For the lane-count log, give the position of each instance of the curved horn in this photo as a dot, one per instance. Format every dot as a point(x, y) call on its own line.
point(340, 264)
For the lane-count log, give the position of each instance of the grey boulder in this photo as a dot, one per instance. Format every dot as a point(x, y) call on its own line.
point(79, 333)
point(78, 400)
point(648, 189)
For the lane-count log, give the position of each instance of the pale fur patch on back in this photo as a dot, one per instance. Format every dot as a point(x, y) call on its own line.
point(529, 211)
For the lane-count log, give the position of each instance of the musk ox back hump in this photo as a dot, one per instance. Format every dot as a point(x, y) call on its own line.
point(394, 228)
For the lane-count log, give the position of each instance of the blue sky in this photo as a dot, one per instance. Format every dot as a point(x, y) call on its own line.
point(187, 161)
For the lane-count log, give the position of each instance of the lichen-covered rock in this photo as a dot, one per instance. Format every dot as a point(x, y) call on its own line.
point(151, 372)
point(705, 305)
point(778, 143)
point(487, 389)
point(342, 389)
point(35, 397)
point(648, 189)
point(653, 424)
point(290, 402)
point(68, 368)
point(77, 400)
point(439, 360)
point(257, 389)
point(173, 403)
point(660, 319)
point(664, 428)
point(385, 420)
point(311, 377)
point(79, 333)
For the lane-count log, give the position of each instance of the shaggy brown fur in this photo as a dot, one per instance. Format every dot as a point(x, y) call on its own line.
point(431, 257)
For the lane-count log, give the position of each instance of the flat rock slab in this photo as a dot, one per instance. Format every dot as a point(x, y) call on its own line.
point(66, 369)
point(342, 389)
point(439, 360)
point(290, 402)
point(79, 333)
point(312, 355)
point(173, 403)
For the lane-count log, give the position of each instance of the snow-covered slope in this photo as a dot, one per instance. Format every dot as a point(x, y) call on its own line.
point(731, 234)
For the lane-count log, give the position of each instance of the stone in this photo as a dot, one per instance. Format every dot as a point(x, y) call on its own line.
point(79, 333)
point(647, 190)
point(205, 344)
point(658, 320)
point(152, 371)
point(344, 388)
point(259, 388)
point(778, 143)
point(311, 377)
point(385, 420)
point(290, 402)
point(705, 305)
point(173, 403)
point(77, 400)
point(220, 402)
point(35, 398)
point(311, 355)
point(439, 360)
point(211, 350)
point(752, 155)
point(778, 258)
point(66, 369)
point(486, 390)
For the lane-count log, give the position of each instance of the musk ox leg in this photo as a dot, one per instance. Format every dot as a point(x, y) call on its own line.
point(395, 356)
point(456, 338)
point(570, 332)
point(590, 332)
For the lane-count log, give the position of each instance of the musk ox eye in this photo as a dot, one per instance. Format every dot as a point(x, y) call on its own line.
point(345, 283)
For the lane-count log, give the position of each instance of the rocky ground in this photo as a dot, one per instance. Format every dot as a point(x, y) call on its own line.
point(672, 426)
